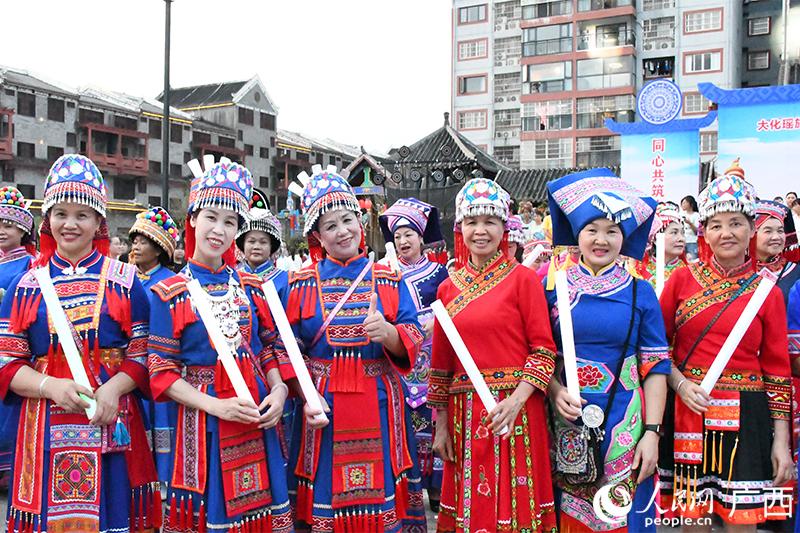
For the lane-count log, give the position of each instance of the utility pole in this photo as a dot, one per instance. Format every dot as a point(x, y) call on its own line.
point(165, 118)
point(786, 67)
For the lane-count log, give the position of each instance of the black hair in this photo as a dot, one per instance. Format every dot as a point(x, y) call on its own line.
point(692, 202)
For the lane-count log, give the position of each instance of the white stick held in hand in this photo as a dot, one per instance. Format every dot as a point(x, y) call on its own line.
point(391, 255)
point(737, 333)
point(567, 336)
point(661, 263)
point(293, 350)
point(465, 357)
point(533, 256)
point(224, 351)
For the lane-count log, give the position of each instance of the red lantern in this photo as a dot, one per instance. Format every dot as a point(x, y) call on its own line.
point(367, 204)
point(361, 203)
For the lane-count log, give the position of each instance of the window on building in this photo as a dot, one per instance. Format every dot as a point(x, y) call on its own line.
point(175, 133)
point(55, 109)
point(154, 128)
point(472, 120)
point(26, 104)
point(90, 116)
point(708, 142)
point(547, 77)
point(702, 21)
point(302, 156)
point(506, 87)
point(154, 167)
point(54, 152)
point(28, 191)
point(71, 139)
point(175, 170)
point(545, 40)
point(227, 142)
point(598, 151)
point(658, 33)
point(547, 115)
point(10, 92)
point(758, 60)
point(507, 121)
point(606, 36)
point(605, 72)
point(695, 103)
point(758, 26)
point(472, 14)
point(651, 5)
point(7, 176)
point(507, 51)
point(267, 121)
point(594, 5)
point(472, 84)
point(658, 67)
point(124, 189)
point(187, 156)
point(154, 200)
point(240, 135)
point(26, 150)
point(125, 123)
point(593, 112)
point(507, 154)
point(141, 186)
point(546, 8)
point(246, 116)
point(199, 137)
point(248, 149)
point(474, 49)
point(547, 153)
point(263, 152)
point(702, 62)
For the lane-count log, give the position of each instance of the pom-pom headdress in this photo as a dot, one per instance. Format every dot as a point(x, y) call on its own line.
point(158, 226)
point(223, 185)
point(261, 218)
point(323, 191)
point(73, 178)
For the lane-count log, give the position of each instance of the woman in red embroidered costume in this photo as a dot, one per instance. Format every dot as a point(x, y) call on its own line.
point(668, 222)
point(492, 483)
point(732, 446)
point(72, 473)
point(357, 324)
point(228, 472)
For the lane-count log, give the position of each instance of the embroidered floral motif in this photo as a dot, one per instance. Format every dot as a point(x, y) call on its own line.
point(589, 376)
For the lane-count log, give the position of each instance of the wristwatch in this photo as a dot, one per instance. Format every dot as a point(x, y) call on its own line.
point(655, 428)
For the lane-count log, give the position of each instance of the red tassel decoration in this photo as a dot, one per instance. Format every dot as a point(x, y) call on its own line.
point(140, 518)
point(401, 498)
point(10, 523)
point(190, 514)
point(359, 375)
point(201, 518)
point(173, 512)
point(262, 311)
point(293, 303)
point(182, 515)
point(156, 508)
point(268, 522)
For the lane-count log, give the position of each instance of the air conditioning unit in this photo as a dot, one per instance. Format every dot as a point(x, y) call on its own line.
point(499, 99)
point(648, 46)
point(665, 45)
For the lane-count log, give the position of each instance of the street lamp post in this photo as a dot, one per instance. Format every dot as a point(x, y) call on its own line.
point(165, 121)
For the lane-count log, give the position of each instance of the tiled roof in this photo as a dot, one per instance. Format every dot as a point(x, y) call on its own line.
point(203, 95)
point(15, 76)
point(531, 184)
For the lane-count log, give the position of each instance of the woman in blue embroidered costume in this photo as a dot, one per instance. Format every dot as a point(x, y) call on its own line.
point(16, 253)
point(71, 473)
point(492, 483)
point(154, 236)
point(668, 222)
point(604, 216)
point(411, 225)
point(260, 241)
point(731, 446)
point(357, 324)
point(228, 471)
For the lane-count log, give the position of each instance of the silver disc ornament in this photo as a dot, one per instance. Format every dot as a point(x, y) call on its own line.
point(592, 416)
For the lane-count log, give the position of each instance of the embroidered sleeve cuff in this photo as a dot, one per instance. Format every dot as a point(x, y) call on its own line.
point(539, 367)
point(655, 360)
point(267, 360)
point(412, 338)
point(285, 365)
point(439, 388)
point(9, 366)
point(794, 344)
point(138, 373)
point(779, 396)
point(160, 382)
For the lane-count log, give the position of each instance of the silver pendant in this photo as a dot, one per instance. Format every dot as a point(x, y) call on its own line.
point(592, 416)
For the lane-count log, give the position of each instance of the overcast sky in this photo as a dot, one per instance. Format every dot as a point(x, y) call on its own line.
point(364, 72)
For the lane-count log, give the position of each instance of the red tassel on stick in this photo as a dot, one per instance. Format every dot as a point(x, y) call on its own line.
point(173, 512)
point(201, 518)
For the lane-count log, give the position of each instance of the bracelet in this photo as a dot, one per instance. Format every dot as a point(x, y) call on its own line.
point(678, 388)
point(41, 386)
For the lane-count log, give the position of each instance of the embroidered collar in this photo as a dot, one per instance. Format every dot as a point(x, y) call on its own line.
point(203, 266)
point(774, 264)
point(609, 280)
point(404, 265)
point(261, 270)
point(491, 264)
point(475, 283)
point(348, 262)
point(65, 265)
point(144, 276)
point(734, 272)
point(13, 255)
point(600, 273)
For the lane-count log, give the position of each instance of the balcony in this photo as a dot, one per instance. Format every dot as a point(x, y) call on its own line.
point(606, 39)
point(661, 67)
point(547, 86)
point(547, 47)
point(6, 127)
point(606, 81)
point(596, 5)
point(116, 150)
point(549, 9)
point(231, 152)
point(658, 43)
